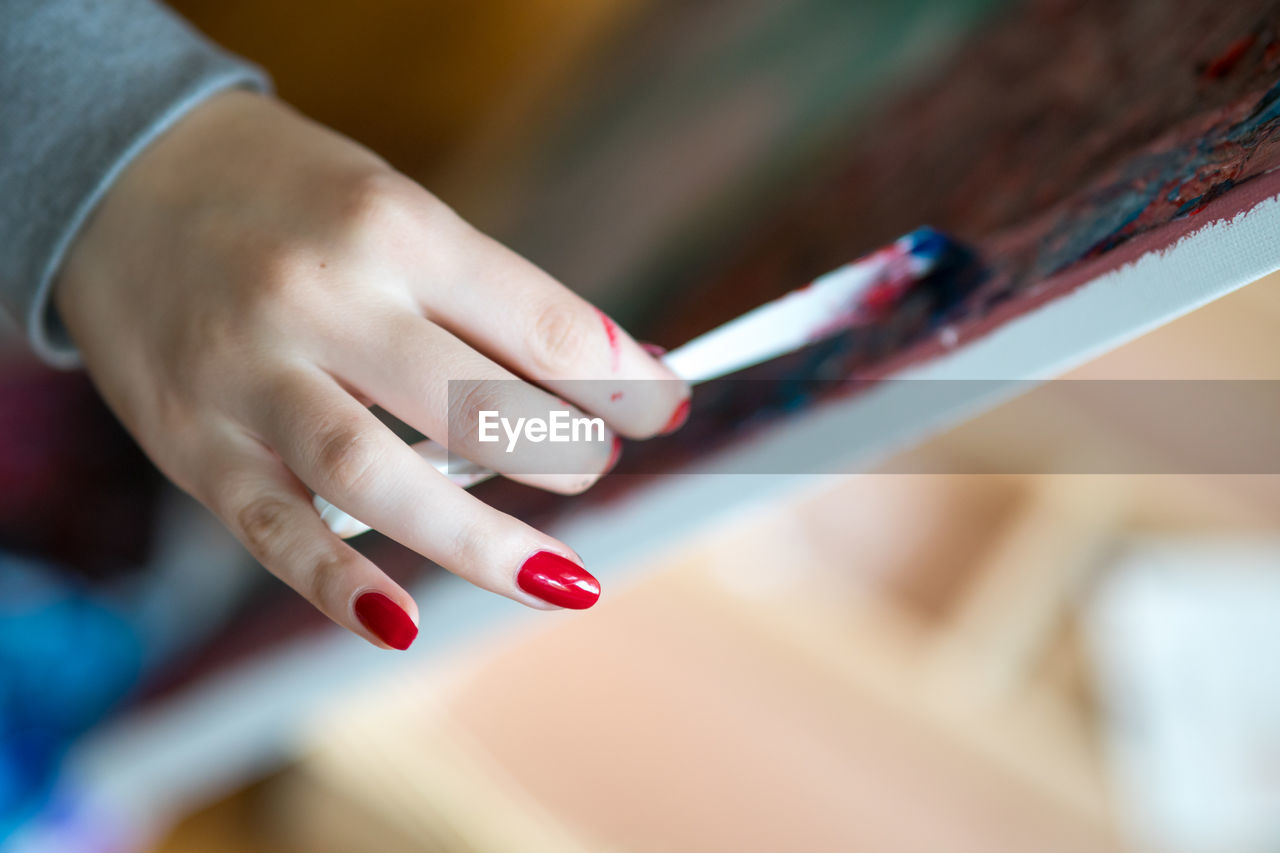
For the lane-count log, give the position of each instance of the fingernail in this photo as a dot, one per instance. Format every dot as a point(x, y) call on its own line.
point(558, 581)
point(678, 417)
point(614, 455)
point(386, 620)
point(654, 350)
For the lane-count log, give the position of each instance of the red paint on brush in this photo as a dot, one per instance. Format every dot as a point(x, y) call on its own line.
point(654, 350)
point(896, 279)
point(559, 581)
point(1230, 58)
point(611, 332)
point(879, 300)
point(386, 620)
point(883, 296)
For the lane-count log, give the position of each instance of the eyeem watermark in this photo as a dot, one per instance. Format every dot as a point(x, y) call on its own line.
point(561, 426)
point(1077, 426)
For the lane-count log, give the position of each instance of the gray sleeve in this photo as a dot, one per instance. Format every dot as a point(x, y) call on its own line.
point(85, 85)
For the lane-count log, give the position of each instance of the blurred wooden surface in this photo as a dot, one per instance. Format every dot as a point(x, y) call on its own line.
point(435, 86)
point(728, 701)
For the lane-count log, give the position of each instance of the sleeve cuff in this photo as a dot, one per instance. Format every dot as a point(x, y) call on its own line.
point(87, 86)
point(47, 334)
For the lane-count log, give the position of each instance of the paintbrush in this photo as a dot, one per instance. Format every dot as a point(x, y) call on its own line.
point(857, 294)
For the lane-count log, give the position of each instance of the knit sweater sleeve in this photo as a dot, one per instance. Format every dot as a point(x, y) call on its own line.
point(85, 86)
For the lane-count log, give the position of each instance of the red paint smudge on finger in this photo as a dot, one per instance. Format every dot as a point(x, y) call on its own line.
point(611, 332)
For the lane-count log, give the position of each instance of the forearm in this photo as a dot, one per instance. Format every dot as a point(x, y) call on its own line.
point(85, 85)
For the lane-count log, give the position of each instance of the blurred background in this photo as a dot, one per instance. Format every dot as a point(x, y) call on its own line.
point(876, 662)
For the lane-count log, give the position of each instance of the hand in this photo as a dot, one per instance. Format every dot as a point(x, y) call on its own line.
point(254, 281)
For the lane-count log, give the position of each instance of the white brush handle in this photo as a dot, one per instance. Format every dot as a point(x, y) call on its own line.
point(775, 328)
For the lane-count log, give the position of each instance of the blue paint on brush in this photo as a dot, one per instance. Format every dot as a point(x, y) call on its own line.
point(934, 272)
point(931, 246)
point(953, 273)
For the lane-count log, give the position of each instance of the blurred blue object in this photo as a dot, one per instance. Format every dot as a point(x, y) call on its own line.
point(67, 657)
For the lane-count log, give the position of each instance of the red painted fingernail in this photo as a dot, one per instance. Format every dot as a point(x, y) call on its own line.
point(386, 620)
point(654, 350)
point(678, 417)
point(558, 581)
point(614, 455)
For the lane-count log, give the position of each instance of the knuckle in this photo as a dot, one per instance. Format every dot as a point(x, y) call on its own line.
point(561, 334)
point(347, 458)
point(263, 522)
point(379, 203)
point(224, 489)
point(326, 579)
point(467, 402)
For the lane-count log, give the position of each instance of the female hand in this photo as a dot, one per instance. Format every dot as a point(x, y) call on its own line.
point(254, 281)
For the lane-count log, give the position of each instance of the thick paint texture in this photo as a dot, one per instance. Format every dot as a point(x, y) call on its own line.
point(1054, 136)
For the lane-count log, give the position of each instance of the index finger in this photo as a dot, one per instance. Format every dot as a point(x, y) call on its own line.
point(552, 336)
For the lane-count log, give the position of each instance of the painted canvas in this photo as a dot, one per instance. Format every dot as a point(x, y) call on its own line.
point(1061, 142)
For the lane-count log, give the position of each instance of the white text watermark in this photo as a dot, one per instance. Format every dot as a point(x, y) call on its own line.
point(561, 426)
